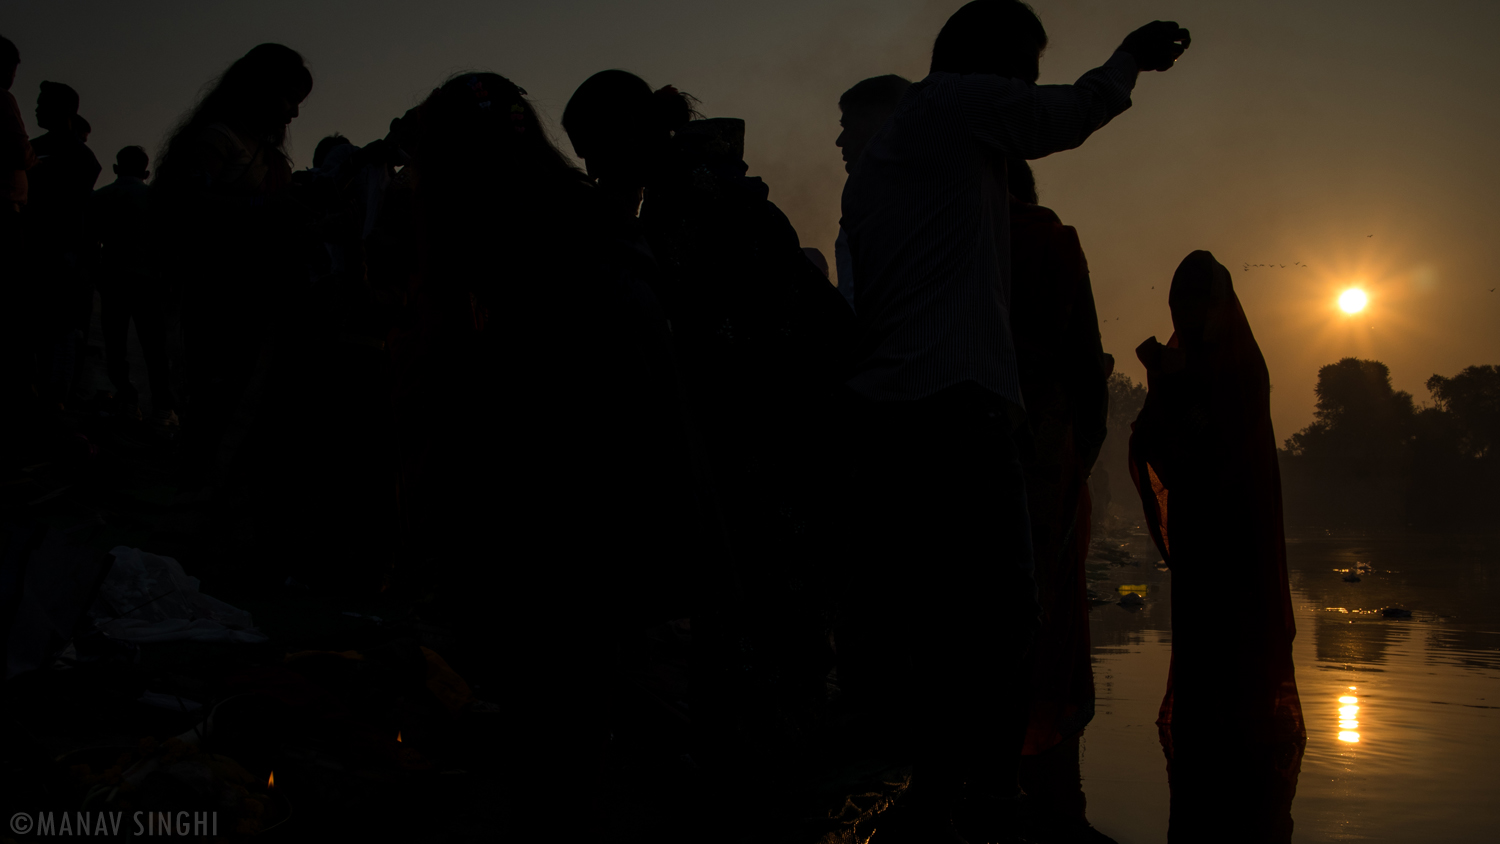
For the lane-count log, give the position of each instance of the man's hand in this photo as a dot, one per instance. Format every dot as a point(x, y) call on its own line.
point(1155, 46)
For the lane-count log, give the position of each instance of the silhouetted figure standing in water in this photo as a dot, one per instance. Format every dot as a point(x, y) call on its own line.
point(1203, 456)
point(59, 189)
point(863, 110)
point(221, 186)
point(1063, 370)
point(131, 286)
point(942, 600)
point(760, 336)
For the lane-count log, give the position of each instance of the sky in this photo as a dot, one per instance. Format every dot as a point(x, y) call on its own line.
point(1356, 137)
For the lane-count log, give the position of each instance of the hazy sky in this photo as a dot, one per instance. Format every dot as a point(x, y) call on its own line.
point(1288, 133)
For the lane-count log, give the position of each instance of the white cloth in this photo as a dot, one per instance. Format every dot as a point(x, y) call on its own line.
point(156, 601)
point(928, 223)
point(138, 632)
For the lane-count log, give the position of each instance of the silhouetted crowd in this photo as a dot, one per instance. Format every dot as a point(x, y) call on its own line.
point(589, 402)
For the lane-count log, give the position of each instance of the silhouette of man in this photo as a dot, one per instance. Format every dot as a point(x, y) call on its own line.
point(58, 194)
point(18, 429)
point(130, 285)
point(66, 170)
point(15, 147)
point(863, 110)
point(935, 623)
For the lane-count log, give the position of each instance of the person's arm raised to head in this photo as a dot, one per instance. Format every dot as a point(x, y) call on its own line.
point(1021, 120)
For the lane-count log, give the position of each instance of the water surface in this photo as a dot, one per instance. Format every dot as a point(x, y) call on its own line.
point(1418, 760)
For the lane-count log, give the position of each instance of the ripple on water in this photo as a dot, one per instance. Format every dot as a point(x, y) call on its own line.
point(1403, 714)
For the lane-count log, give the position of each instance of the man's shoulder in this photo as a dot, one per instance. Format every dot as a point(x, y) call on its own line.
point(934, 99)
point(45, 144)
point(941, 82)
point(65, 148)
point(124, 187)
point(932, 87)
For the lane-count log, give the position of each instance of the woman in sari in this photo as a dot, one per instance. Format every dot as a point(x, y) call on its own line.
point(1203, 450)
point(1203, 456)
point(1063, 370)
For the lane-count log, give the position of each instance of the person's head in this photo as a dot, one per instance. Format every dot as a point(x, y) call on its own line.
point(480, 129)
point(403, 130)
point(132, 163)
point(863, 110)
point(10, 59)
point(261, 92)
point(327, 145)
point(1020, 181)
point(56, 106)
point(1200, 287)
point(1000, 37)
point(81, 127)
point(258, 95)
point(617, 124)
point(487, 180)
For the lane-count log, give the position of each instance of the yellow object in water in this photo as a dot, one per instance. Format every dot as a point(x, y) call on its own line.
point(1137, 588)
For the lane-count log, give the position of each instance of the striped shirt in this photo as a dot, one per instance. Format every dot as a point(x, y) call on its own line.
point(928, 221)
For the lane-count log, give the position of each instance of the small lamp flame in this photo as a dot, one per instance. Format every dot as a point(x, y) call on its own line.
point(398, 735)
point(271, 780)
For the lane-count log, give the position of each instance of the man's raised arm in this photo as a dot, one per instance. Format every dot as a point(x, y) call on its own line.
point(1016, 119)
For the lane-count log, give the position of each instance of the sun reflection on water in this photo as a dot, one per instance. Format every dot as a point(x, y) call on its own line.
point(1348, 717)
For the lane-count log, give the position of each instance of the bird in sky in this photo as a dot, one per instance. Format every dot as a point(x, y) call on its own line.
point(1492, 290)
point(1370, 235)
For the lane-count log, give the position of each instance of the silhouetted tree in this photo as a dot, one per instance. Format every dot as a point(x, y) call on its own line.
point(1349, 464)
point(1363, 425)
point(1126, 398)
point(1471, 399)
point(1110, 482)
point(1372, 458)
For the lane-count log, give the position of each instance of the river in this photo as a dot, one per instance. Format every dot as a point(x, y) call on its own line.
point(1418, 760)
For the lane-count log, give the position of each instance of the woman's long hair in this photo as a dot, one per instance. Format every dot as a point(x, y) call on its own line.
point(248, 97)
point(491, 188)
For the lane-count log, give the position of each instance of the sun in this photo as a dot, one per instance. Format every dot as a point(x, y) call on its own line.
point(1353, 300)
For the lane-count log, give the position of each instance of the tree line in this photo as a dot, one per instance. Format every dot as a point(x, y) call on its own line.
point(1372, 459)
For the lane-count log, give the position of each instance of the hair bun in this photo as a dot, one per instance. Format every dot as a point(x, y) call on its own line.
point(671, 109)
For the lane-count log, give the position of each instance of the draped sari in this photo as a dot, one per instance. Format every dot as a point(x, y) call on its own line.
point(1063, 370)
point(1203, 457)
